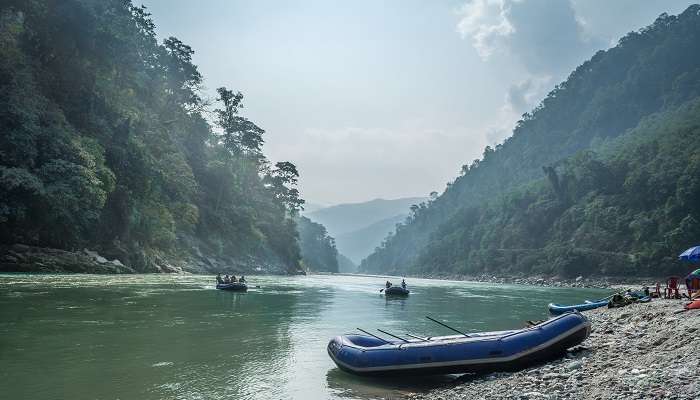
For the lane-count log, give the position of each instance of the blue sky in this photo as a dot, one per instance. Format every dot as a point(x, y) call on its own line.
point(387, 99)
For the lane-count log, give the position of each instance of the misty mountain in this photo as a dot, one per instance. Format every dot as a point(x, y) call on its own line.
point(345, 218)
point(312, 207)
point(360, 243)
point(601, 178)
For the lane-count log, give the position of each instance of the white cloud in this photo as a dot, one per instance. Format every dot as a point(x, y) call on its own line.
point(486, 23)
point(526, 94)
point(540, 40)
point(520, 98)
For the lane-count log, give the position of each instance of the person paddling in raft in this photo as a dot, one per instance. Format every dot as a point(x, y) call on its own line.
point(227, 279)
point(219, 281)
point(242, 280)
point(233, 279)
point(388, 284)
point(403, 283)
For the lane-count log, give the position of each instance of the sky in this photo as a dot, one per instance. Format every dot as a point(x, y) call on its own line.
point(387, 99)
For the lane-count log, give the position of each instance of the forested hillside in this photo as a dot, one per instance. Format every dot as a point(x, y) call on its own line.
point(105, 143)
point(566, 193)
point(317, 248)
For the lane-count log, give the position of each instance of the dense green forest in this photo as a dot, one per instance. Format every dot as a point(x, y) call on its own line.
point(107, 142)
point(602, 178)
point(318, 249)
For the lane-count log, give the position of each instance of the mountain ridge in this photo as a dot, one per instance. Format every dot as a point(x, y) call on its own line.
point(602, 99)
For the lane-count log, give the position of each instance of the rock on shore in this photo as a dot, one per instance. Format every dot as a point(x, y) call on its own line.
point(23, 258)
point(642, 351)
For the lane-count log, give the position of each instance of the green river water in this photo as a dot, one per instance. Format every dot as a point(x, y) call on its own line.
point(177, 337)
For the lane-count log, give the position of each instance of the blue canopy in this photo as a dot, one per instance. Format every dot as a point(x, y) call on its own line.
point(692, 254)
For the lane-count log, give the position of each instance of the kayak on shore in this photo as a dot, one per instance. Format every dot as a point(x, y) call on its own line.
point(615, 300)
point(474, 352)
point(234, 287)
point(557, 309)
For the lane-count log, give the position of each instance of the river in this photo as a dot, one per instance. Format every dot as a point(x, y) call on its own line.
point(177, 337)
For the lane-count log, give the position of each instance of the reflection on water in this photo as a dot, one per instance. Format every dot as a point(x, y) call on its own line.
point(176, 337)
point(348, 386)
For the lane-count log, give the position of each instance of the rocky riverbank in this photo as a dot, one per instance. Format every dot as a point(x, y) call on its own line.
point(23, 258)
point(642, 351)
point(552, 281)
point(34, 259)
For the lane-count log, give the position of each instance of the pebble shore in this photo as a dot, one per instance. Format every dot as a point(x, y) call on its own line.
point(641, 351)
point(600, 282)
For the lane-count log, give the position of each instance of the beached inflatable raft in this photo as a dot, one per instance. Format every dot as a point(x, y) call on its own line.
point(234, 287)
point(479, 352)
point(557, 309)
point(396, 291)
point(634, 297)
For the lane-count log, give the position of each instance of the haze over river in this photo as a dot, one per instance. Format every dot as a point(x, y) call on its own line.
point(176, 337)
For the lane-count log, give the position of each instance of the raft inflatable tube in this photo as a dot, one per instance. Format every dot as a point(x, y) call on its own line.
point(233, 287)
point(396, 291)
point(481, 352)
point(694, 305)
point(557, 309)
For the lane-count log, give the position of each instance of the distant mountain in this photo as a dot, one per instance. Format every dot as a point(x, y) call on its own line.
point(358, 244)
point(346, 265)
point(358, 228)
point(312, 207)
point(345, 218)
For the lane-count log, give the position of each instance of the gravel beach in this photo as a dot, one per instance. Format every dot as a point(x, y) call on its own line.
point(641, 351)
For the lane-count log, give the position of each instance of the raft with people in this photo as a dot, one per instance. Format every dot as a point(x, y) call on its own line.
point(392, 290)
point(396, 291)
point(234, 287)
point(231, 283)
point(474, 352)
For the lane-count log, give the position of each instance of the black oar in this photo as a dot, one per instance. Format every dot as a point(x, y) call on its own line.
point(447, 326)
point(374, 336)
point(387, 333)
point(417, 337)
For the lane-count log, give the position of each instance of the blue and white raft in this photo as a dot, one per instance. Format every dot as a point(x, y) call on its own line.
point(557, 309)
point(475, 352)
point(234, 287)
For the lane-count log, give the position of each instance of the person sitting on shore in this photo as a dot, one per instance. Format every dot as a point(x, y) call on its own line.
point(233, 279)
point(218, 279)
point(388, 284)
point(403, 283)
point(227, 279)
point(242, 280)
